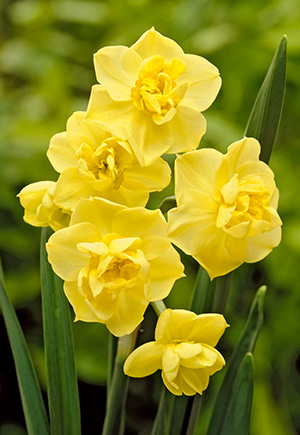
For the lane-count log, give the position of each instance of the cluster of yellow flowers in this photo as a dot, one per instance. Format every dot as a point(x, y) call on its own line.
point(115, 255)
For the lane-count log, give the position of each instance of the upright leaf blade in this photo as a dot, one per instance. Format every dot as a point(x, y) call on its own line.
point(61, 373)
point(265, 116)
point(32, 401)
point(245, 344)
point(237, 420)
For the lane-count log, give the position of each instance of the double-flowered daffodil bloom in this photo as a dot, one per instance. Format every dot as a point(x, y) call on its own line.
point(41, 210)
point(153, 93)
point(94, 162)
point(114, 260)
point(183, 349)
point(226, 207)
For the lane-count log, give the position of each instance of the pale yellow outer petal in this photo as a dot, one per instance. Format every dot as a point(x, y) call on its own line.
point(31, 197)
point(253, 249)
point(99, 212)
point(205, 328)
point(60, 152)
point(117, 70)
point(80, 131)
point(107, 113)
point(151, 178)
point(203, 79)
point(187, 128)
point(148, 140)
point(170, 323)
point(238, 153)
point(81, 307)
point(144, 360)
point(152, 43)
point(196, 170)
point(139, 222)
point(128, 315)
point(64, 257)
point(165, 270)
point(71, 187)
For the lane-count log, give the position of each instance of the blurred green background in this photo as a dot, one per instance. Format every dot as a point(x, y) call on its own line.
point(46, 65)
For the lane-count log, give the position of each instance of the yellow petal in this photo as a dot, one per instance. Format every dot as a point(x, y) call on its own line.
point(127, 317)
point(71, 187)
point(80, 131)
point(196, 170)
point(169, 325)
point(79, 303)
point(107, 113)
point(187, 351)
point(152, 43)
point(203, 79)
point(187, 128)
point(31, 198)
point(117, 70)
point(193, 381)
point(165, 270)
point(64, 257)
point(150, 178)
point(98, 212)
point(144, 360)
point(238, 153)
point(205, 328)
point(171, 386)
point(140, 222)
point(60, 153)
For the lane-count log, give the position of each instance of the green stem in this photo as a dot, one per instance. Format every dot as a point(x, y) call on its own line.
point(197, 402)
point(159, 307)
point(222, 292)
point(112, 350)
point(114, 422)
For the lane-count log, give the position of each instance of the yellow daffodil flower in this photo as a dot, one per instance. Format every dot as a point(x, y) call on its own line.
point(153, 93)
point(226, 207)
point(114, 260)
point(95, 162)
point(41, 210)
point(183, 349)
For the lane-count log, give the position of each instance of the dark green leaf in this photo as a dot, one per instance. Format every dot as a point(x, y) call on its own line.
point(61, 373)
point(265, 116)
point(33, 405)
point(245, 344)
point(237, 420)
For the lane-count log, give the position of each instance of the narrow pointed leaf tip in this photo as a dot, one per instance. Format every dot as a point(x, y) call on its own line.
point(265, 117)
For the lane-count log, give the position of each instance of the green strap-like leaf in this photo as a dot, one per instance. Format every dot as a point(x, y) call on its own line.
point(61, 373)
point(237, 420)
point(33, 405)
point(265, 116)
point(245, 344)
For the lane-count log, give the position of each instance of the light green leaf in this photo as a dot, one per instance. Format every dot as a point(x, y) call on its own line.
point(245, 344)
point(61, 373)
point(237, 420)
point(33, 405)
point(265, 116)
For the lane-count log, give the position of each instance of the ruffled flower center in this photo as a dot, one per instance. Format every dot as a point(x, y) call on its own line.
point(156, 92)
point(188, 354)
point(244, 206)
point(107, 161)
point(116, 264)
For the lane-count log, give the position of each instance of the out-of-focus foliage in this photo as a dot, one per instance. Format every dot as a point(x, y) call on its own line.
point(46, 49)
